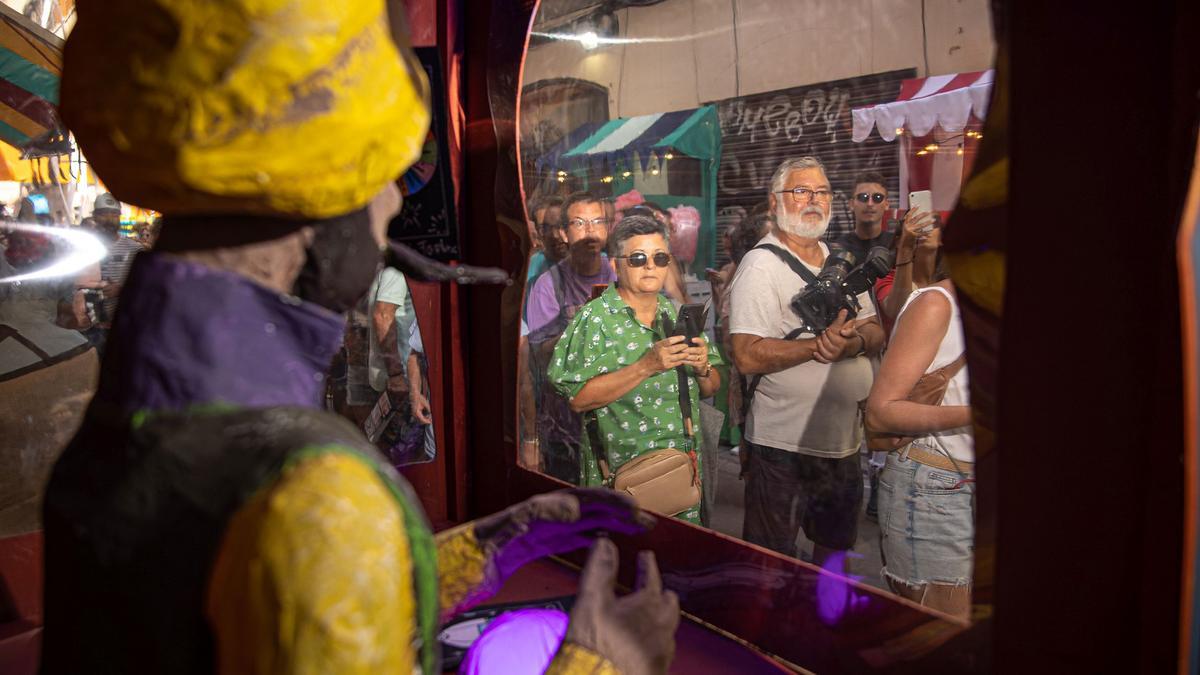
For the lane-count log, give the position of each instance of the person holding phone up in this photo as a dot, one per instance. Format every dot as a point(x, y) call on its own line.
point(614, 358)
point(916, 258)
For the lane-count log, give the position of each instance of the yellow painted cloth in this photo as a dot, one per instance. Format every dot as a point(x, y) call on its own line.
point(300, 108)
point(572, 659)
point(314, 576)
point(462, 569)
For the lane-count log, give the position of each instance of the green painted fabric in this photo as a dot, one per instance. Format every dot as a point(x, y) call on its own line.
point(604, 337)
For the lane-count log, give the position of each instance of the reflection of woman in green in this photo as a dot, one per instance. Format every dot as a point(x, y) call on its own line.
point(614, 358)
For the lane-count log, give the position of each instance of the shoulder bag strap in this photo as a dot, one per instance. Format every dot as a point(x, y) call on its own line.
point(598, 450)
point(951, 369)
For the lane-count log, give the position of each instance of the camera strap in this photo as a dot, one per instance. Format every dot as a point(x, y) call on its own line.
point(791, 261)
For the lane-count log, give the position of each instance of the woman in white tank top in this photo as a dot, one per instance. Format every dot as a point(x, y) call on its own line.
point(926, 490)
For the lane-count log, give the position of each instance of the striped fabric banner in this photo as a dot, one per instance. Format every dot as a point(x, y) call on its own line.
point(30, 69)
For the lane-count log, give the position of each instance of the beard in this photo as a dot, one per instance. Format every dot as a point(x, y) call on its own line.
point(793, 223)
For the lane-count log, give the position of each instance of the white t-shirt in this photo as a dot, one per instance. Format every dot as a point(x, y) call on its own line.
point(389, 286)
point(957, 443)
point(811, 408)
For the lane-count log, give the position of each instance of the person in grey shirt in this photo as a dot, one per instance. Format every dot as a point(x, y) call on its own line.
point(803, 430)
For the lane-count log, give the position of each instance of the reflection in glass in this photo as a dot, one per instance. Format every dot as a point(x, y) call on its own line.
point(380, 380)
point(838, 135)
point(58, 286)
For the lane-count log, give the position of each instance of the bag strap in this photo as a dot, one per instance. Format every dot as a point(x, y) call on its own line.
point(951, 369)
point(592, 426)
point(791, 261)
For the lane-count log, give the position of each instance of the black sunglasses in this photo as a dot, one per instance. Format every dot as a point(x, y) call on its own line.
point(877, 197)
point(640, 259)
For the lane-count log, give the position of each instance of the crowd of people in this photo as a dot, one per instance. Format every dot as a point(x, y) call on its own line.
point(811, 408)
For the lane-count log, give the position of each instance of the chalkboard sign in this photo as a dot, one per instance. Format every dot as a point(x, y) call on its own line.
point(426, 221)
point(760, 131)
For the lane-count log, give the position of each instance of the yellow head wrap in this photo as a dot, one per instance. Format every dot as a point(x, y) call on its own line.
point(302, 108)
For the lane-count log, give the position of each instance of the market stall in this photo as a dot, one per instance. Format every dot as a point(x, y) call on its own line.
point(938, 121)
point(670, 158)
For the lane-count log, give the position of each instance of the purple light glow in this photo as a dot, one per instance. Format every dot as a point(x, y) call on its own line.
point(517, 643)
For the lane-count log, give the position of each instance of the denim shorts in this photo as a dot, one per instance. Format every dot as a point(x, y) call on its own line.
point(926, 523)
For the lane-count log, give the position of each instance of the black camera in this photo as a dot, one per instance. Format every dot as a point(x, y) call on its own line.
point(93, 300)
point(840, 281)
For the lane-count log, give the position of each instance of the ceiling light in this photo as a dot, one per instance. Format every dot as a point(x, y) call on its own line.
point(589, 40)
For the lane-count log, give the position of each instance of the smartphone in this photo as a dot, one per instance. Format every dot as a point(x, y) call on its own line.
point(691, 320)
point(922, 200)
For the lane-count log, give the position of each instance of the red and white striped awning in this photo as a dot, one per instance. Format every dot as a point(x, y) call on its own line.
point(925, 102)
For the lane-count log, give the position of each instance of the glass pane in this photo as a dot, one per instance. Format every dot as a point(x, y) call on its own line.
point(770, 178)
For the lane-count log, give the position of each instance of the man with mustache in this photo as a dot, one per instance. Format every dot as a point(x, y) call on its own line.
point(802, 429)
point(556, 296)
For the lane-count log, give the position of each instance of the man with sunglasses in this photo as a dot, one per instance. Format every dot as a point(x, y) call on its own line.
point(554, 300)
point(870, 204)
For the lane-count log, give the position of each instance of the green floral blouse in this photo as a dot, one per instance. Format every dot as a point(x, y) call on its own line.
point(604, 337)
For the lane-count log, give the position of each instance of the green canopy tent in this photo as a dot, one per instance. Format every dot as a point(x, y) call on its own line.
point(671, 158)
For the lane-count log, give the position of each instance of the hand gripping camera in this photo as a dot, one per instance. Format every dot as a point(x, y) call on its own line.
point(839, 283)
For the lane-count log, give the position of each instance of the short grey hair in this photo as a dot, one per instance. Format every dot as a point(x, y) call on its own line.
point(795, 164)
point(635, 226)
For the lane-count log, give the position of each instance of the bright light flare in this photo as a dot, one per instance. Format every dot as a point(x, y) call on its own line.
point(591, 38)
point(83, 249)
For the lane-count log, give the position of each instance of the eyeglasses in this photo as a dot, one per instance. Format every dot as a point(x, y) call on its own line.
point(580, 223)
point(639, 259)
point(877, 197)
point(803, 194)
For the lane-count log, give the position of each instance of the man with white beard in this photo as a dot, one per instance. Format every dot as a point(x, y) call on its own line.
point(803, 431)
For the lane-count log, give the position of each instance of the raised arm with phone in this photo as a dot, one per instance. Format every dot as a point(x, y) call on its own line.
point(920, 236)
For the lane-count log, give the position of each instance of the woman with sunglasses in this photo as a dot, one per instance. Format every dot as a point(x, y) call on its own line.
point(615, 359)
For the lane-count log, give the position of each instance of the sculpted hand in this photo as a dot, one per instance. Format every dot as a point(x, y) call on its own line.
point(666, 354)
point(551, 523)
point(837, 340)
point(636, 631)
